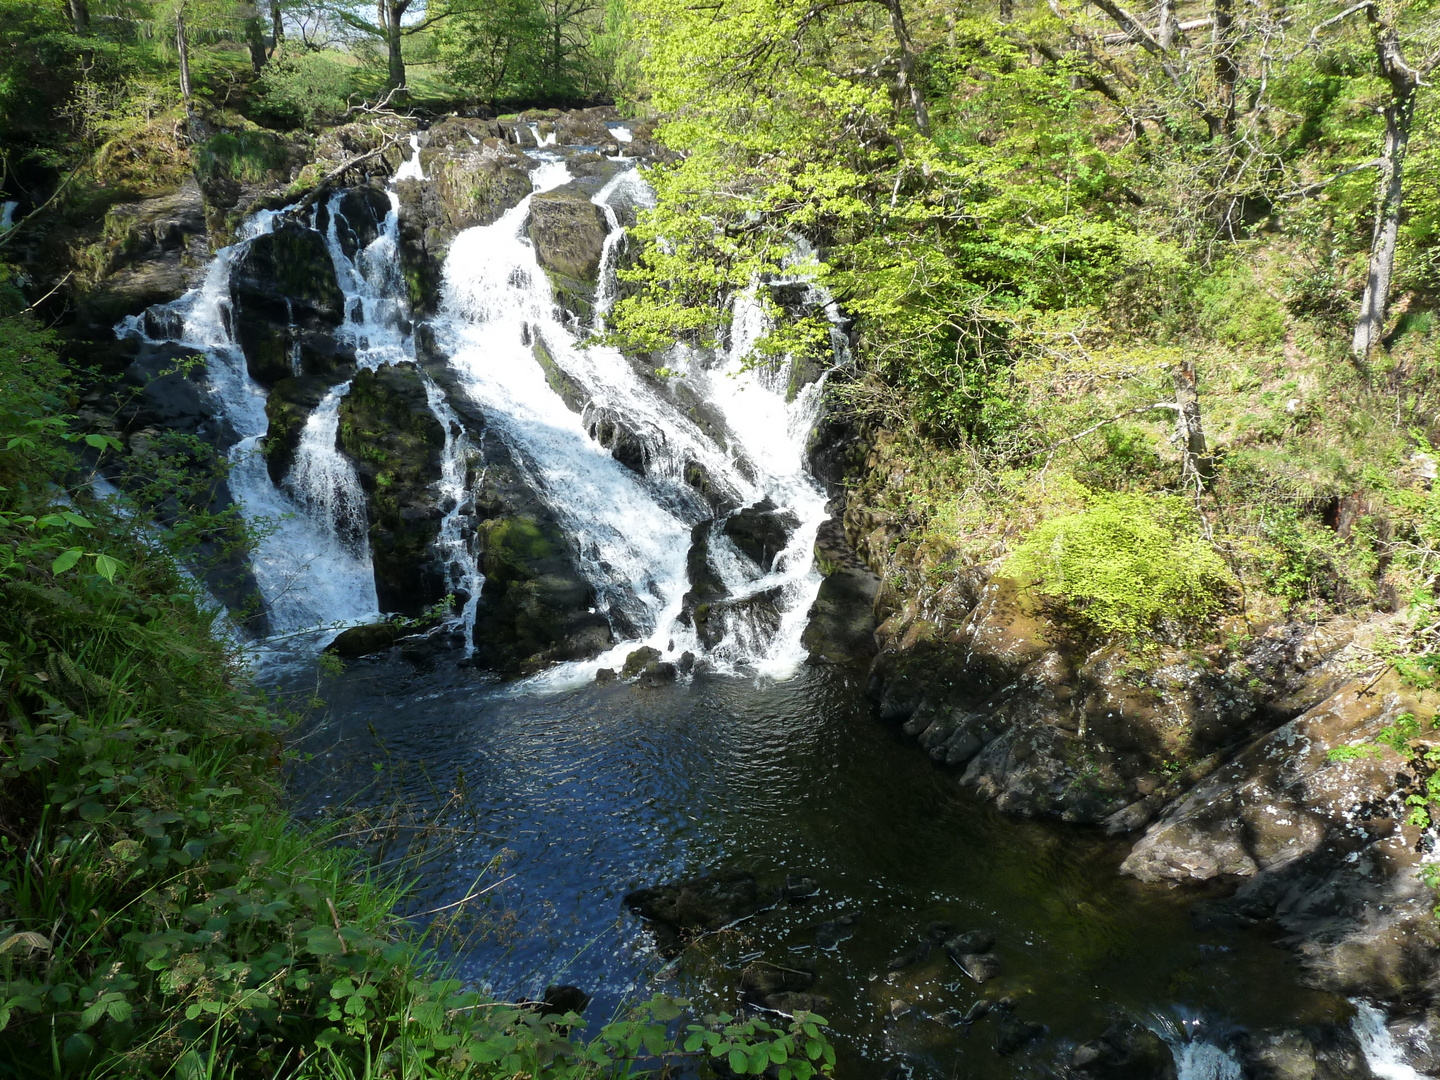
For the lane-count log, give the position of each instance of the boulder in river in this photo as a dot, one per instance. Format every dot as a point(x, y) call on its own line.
point(982, 967)
point(976, 941)
point(657, 673)
point(761, 531)
point(702, 904)
point(1126, 1051)
point(365, 640)
point(638, 660)
point(830, 933)
point(790, 1002)
point(1013, 1034)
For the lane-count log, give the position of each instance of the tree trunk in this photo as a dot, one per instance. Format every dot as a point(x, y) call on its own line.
point(1007, 10)
point(1196, 469)
point(255, 39)
point(1165, 35)
point(908, 83)
point(392, 12)
point(277, 26)
point(1227, 72)
point(79, 16)
point(1399, 112)
point(182, 46)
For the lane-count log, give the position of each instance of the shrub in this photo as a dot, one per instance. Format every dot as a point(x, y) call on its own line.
point(1235, 308)
point(241, 155)
point(301, 88)
point(1124, 565)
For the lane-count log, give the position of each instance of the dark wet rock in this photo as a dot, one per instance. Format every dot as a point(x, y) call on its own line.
point(937, 932)
point(638, 660)
point(800, 887)
point(425, 651)
point(172, 394)
point(790, 1002)
point(982, 967)
point(686, 664)
point(829, 934)
point(755, 617)
point(761, 531)
point(568, 232)
point(976, 941)
point(763, 980)
point(918, 955)
point(605, 676)
point(657, 673)
point(568, 389)
point(395, 441)
point(706, 585)
point(151, 252)
point(841, 626)
point(536, 606)
point(365, 640)
point(282, 284)
point(1126, 1051)
point(360, 214)
point(560, 1000)
point(287, 409)
point(704, 904)
point(1014, 1034)
point(626, 446)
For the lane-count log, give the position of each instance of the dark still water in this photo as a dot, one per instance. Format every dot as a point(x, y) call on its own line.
point(573, 798)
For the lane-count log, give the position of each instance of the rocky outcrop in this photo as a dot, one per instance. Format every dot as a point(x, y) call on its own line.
point(395, 441)
point(761, 531)
point(287, 409)
point(150, 252)
point(840, 626)
point(285, 297)
point(568, 231)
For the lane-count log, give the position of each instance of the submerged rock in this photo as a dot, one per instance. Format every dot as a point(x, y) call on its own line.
point(790, 1002)
point(657, 673)
point(703, 904)
point(766, 980)
point(829, 934)
point(1126, 1051)
point(982, 967)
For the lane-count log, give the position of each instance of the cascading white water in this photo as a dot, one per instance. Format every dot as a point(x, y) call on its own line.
point(324, 480)
point(308, 575)
point(607, 287)
point(411, 169)
point(633, 532)
point(7, 215)
point(1381, 1053)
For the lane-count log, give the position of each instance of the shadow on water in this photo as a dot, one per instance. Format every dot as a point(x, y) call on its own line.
point(587, 794)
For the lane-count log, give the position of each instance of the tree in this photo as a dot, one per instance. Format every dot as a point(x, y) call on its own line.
point(1396, 28)
point(395, 21)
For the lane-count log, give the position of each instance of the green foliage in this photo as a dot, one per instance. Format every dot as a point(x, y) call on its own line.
point(248, 155)
point(301, 88)
point(1125, 565)
point(1236, 309)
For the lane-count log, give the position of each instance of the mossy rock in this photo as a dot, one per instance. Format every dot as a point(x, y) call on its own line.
point(388, 430)
point(568, 232)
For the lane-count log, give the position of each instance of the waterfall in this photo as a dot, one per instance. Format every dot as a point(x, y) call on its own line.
point(1381, 1053)
point(633, 531)
point(7, 215)
point(630, 523)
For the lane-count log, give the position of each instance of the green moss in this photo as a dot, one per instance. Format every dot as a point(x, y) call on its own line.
point(1125, 565)
point(249, 155)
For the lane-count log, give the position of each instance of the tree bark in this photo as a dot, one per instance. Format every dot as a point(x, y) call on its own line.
point(277, 26)
point(255, 39)
point(1197, 468)
point(182, 46)
point(1165, 34)
point(391, 12)
point(1227, 71)
point(1389, 202)
point(909, 85)
point(79, 16)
